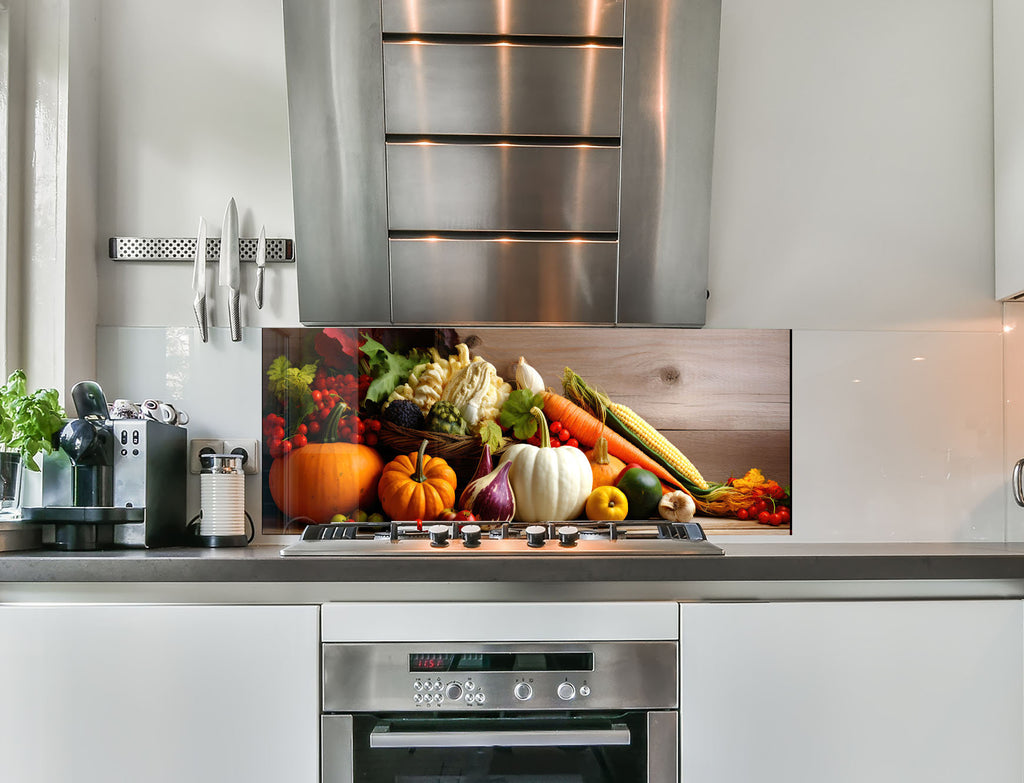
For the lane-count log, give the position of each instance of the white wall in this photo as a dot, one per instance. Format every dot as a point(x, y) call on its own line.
point(852, 203)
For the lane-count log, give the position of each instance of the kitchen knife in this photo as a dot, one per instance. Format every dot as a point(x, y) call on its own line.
point(261, 261)
point(229, 275)
point(199, 281)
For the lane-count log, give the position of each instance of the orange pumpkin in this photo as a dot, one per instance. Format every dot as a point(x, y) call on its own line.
point(320, 480)
point(606, 467)
point(415, 486)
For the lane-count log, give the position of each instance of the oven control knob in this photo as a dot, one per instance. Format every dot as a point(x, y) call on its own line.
point(438, 535)
point(471, 535)
point(522, 691)
point(453, 691)
point(535, 535)
point(566, 691)
point(568, 535)
point(584, 690)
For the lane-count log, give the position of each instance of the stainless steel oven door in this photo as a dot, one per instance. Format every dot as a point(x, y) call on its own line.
point(638, 747)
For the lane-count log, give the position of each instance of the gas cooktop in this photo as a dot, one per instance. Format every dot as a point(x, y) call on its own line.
point(509, 538)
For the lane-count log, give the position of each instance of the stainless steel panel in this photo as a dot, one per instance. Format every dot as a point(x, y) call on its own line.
point(336, 749)
point(502, 89)
point(375, 677)
point(502, 187)
point(598, 18)
point(383, 737)
point(517, 281)
point(669, 93)
point(662, 747)
point(336, 122)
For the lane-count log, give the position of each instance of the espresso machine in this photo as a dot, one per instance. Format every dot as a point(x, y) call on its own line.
point(112, 482)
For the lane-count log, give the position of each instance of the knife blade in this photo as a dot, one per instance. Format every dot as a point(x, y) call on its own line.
point(261, 262)
point(199, 282)
point(229, 274)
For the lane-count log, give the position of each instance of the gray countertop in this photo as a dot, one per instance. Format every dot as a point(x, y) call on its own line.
point(747, 570)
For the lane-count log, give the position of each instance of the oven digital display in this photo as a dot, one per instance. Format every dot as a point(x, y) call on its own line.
point(502, 662)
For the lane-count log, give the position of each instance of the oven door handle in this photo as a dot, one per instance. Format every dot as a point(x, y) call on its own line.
point(382, 737)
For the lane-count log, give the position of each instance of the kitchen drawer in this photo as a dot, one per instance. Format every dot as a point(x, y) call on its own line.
point(502, 187)
point(499, 17)
point(510, 281)
point(502, 89)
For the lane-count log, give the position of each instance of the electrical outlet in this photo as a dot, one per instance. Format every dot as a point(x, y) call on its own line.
point(199, 446)
point(249, 449)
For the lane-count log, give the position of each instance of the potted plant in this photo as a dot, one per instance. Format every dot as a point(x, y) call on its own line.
point(28, 423)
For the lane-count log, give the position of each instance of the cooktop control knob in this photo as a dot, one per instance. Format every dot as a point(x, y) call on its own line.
point(523, 691)
point(471, 535)
point(453, 691)
point(535, 535)
point(566, 691)
point(568, 535)
point(438, 535)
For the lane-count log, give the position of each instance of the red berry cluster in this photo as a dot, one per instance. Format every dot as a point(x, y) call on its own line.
point(274, 435)
point(327, 389)
point(357, 430)
point(560, 436)
point(767, 507)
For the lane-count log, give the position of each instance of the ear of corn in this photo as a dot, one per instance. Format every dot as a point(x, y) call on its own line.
point(657, 444)
point(632, 426)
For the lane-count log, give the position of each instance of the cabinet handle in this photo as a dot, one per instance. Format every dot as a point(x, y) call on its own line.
point(1018, 490)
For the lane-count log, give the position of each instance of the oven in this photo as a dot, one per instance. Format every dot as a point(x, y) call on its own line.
point(515, 711)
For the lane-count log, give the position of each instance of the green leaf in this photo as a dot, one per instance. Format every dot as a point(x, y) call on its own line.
point(515, 413)
point(28, 421)
point(387, 369)
point(291, 387)
point(490, 435)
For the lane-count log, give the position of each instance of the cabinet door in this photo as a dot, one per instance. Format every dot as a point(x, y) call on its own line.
point(160, 694)
point(887, 691)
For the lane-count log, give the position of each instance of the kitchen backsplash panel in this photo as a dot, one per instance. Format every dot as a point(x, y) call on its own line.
point(911, 453)
point(722, 396)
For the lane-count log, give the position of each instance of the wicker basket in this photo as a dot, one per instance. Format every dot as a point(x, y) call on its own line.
point(461, 452)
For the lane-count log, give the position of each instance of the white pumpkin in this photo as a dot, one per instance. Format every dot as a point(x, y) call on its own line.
point(549, 484)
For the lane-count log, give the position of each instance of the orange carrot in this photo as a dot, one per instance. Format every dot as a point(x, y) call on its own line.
point(587, 429)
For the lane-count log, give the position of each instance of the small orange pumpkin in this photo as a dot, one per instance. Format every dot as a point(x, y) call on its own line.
point(606, 467)
point(415, 486)
point(320, 480)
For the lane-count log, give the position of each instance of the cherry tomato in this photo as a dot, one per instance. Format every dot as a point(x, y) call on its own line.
point(302, 429)
point(286, 446)
point(742, 514)
point(298, 441)
point(317, 395)
point(784, 513)
point(564, 435)
point(763, 517)
point(555, 427)
point(573, 442)
point(775, 518)
point(278, 432)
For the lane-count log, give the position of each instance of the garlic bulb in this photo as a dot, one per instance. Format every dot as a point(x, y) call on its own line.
point(527, 377)
point(677, 506)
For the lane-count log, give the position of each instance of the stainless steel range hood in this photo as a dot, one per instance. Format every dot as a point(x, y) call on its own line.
point(502, 161)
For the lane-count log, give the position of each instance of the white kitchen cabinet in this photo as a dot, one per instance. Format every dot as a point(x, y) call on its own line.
point(1008, 149)
point(159, 694)
point(852, 692)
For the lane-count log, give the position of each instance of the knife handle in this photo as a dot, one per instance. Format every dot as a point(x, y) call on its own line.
point(199, 306)
point(234, 318)
point(258, 294)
